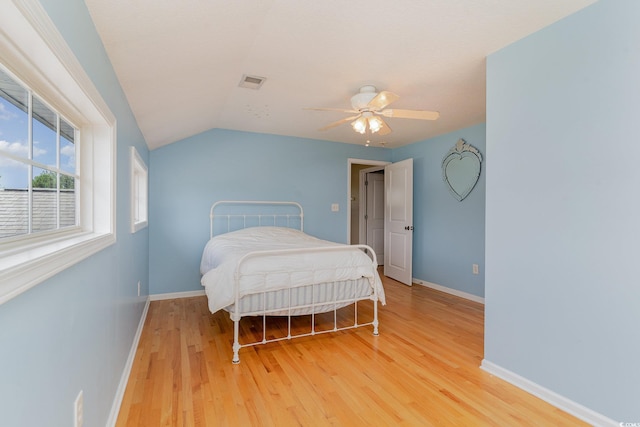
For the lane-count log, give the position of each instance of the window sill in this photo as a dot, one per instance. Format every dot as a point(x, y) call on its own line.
point(138, 226)
point(20, 271)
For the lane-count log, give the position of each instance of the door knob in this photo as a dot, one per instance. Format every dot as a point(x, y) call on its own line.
point(409, 227)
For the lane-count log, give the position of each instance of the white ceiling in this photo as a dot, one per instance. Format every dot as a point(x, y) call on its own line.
point(180, 62)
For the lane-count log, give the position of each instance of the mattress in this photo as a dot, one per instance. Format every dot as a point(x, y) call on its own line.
point(268, 259)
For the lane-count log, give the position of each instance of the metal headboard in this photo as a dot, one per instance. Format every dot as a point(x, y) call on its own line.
point(233, 215)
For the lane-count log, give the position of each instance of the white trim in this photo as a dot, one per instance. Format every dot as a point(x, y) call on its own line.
point(33, 11)
point(173, 295)
point(29, 268)
point(447, 290)
point(124, 379)
point(548, 396)
point(139, 193)
point(362, 203)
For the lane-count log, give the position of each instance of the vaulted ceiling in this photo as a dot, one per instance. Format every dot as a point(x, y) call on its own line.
point(180, 62)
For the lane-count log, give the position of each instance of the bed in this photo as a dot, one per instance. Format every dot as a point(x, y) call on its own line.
point(258, 262)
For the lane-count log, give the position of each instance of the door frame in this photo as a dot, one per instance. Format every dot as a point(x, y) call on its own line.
point(351, 162)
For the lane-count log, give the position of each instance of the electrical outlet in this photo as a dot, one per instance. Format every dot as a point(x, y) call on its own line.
point(335, 207)
point(78, 411)
point(138, 287)
point(475, 269)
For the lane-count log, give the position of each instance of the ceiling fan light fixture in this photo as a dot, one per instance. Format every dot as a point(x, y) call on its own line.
point(367, 105)
point(360, 125)
point(375, 124)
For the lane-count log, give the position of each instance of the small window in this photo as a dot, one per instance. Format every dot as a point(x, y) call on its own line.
point(139, 192)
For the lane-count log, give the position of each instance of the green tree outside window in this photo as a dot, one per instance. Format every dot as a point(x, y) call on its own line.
point(47, 179)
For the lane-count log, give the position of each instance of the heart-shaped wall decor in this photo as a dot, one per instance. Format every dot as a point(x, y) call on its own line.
point(461, 169)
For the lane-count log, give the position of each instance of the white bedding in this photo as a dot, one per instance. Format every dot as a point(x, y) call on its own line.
point(291, 267)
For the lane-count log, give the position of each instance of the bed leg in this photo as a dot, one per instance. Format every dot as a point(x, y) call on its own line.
point(236, 344)
point(375, 318)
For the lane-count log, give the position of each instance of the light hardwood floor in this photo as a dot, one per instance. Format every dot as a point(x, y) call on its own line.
point(422, 370)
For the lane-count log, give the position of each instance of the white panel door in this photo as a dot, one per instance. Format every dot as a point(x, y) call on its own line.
point(375, 214)
point(398, 224)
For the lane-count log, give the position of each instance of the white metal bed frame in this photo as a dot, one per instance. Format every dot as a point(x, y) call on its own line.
point(290, 220)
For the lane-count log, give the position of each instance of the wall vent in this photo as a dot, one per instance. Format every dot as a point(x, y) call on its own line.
point(251, 82)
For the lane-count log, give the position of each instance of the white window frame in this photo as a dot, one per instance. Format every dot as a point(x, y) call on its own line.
point(32, 49)
point(139, 192)
point(29, 162)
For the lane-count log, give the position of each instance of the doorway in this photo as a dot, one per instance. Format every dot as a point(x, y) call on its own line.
point(355, 198)
point(372, 209)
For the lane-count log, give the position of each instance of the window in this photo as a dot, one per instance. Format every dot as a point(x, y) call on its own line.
point(57, 153)
point(38, 170)
point(139, 192)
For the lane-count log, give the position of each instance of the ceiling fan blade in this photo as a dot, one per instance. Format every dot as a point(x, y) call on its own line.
point(384, 128)
point(410, 114)
point(340, 110)
point(382, 99)
point(339, 122)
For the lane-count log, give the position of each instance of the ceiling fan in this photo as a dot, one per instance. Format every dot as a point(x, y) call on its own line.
point(368, 105)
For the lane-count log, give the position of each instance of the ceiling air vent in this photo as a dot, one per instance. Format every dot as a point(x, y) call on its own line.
point(251, 82)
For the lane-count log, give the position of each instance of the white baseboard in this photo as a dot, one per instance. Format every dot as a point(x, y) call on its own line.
point(444, 289)
point(560, 402)
point(172, 295)
point(117, 401)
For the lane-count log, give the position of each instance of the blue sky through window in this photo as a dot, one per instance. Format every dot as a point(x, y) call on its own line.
point(14, 141)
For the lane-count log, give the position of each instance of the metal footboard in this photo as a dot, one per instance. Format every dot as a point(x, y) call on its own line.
point(342, 293)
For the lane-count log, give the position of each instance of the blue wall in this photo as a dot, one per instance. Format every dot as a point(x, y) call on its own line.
point(188, 176)
point(74, 331)
point(448, 235)
point(562, 230)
